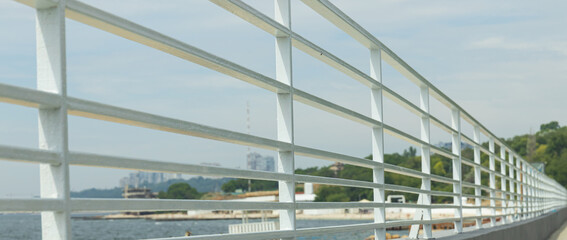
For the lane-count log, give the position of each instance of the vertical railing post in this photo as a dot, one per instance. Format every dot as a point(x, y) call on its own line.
point(548, 196)
point(457, 176)
point(543, 195)
point(512, 203)
point(530, 190)
point(378, 142)
point(503, 195)
point(540, 193)
point(527, 188)
point(534, 192)
point(477, 177)
point(519, 185)
point(285, 114)
point(53, 127)
point(521, 177)
point(492, 167)
point(537, 193)
point(425, 160)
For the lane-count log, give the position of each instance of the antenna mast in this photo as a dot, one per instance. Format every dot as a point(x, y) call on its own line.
point(249, 154)
point(248, 121)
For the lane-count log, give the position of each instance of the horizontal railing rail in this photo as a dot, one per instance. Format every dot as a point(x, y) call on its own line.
point(523, 192)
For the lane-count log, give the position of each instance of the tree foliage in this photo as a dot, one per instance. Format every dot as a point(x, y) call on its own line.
point(200, 183)
point(553, 125)
point(408, 159)
point(180, 191)
point(256, 185)
point(547, 146)
point(550, 148)
point(332, 194)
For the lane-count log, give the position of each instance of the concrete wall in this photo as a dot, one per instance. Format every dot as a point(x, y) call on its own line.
point(533, 229)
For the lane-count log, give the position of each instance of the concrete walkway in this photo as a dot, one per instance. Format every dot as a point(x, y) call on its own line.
point(560, 234)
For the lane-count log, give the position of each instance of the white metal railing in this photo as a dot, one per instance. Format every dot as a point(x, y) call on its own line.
point(529, 194)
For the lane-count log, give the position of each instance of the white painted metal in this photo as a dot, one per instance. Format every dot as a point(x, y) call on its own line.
point(252, 227)
point(285, 114)
point(512, 202)
point(104, 112)
point(456, 165)
point(337, 181)
point(281, 234)
point(29, 155)
point(106, 205)
point(492, 182)
point(95, 160)
point(527, 190)
point(32, 205)
point(425, 160)
point(417, 217)
point(477, 176)
point(424, 198)
point(29, 97)
point(51, 77)
point(534, 194)
point(505, 202)
point(377, 112)
point(519, 189)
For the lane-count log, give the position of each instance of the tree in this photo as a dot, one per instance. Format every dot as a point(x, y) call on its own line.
point(531, 147)
point(411, 152)
point(331, 194)
point(550, 145)
point(556, 142)
point(439, 169)
point(553, 125)
point(256, 185)
point(234, 184)
point(180, 191)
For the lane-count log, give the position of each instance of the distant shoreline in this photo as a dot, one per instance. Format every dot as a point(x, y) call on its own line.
point(220, 216)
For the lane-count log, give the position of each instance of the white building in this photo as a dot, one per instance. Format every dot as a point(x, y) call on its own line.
point(255, 161)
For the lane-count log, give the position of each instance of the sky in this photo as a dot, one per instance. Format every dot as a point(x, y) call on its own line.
point(502, 61)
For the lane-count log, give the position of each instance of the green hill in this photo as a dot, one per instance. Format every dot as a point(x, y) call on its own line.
point(547, 145)
point(202, 185)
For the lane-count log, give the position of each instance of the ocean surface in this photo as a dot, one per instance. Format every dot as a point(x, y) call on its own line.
point(28, 226)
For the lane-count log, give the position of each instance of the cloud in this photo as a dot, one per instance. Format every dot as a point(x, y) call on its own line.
point(550, 46)
point(559, 47)
point(502, 43)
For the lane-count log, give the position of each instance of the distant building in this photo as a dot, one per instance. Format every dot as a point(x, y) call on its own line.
point(138, 193)
point(337, 167)
point(307, 195)
point(136, 179)
point(255, 161)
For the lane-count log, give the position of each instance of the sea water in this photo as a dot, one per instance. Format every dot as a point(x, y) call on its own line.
point(28, 226)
